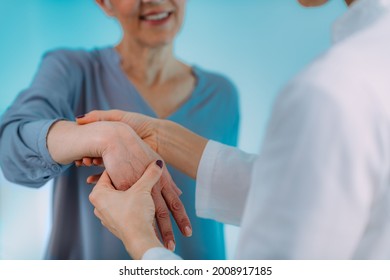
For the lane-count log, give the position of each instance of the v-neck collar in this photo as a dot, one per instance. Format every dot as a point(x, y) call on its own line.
point(115, 61)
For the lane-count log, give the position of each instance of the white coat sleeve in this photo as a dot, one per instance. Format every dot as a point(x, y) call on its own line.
point(223, 181)
point(159, 253)
point(314, 182)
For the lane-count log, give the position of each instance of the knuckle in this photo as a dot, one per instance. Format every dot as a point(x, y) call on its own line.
point(176, 205)
point(156, 189)
point(96, 212)
point(168, 234)
point(93, 197)
point(164, 182)
point(162, 213)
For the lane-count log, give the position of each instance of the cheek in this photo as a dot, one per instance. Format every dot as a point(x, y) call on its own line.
point(180, 6)
point(180, 3)
point(128, 8)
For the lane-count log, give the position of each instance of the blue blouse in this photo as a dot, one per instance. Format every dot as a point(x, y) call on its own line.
point(73, 82)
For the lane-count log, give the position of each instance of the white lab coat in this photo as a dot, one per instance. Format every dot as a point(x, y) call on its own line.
point(320, 187)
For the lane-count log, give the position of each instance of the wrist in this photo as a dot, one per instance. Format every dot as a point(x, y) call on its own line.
point(60, 141)
point(138, 245)
point(180, 147)
point(67, 141)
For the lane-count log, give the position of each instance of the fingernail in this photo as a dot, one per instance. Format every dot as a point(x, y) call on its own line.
point(160, 163)
point(171, 245)
point(80, 116)
point(188, 231)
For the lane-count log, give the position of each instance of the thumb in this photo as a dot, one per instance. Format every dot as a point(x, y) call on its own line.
point(97, 196)
point(150, 177)
point(104, 182)
point(100, 115)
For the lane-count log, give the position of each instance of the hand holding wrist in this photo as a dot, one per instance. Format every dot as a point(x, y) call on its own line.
point(129, 214)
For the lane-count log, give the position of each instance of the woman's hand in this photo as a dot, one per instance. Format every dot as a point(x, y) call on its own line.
point(125, 158)
point(178, 146)
point(130, 214)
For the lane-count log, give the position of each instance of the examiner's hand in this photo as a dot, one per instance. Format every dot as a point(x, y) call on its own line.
point(144, 126)
point(125, 157)
point(129, 214)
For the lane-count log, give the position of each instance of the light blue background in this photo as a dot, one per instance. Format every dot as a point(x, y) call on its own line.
point(259, 44)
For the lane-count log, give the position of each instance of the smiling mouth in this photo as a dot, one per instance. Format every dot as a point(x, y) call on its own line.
point(156, 17)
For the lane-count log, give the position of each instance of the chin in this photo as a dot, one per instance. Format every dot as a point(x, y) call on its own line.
point(159, 42)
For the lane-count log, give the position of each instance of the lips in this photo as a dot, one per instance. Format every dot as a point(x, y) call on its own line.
point(155, 17)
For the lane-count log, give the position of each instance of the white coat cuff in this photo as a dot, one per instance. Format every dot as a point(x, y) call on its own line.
point(204, 179)
point(159, 253)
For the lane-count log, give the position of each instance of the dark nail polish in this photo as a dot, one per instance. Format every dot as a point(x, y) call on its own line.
point(80, 117)
point(160, 163)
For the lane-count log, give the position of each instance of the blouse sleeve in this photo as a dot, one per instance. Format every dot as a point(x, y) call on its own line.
point(24, 156)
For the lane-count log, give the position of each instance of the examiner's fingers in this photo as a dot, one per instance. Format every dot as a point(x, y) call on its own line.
point(104, 182)
point(97, 213)
point(97, 196)
point(93, 179)
point(100, 115)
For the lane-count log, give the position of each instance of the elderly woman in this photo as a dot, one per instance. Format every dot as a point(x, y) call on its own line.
point(40, 140)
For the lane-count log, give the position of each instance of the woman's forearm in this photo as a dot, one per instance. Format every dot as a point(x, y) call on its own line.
point(67, 141)
point(180, 147)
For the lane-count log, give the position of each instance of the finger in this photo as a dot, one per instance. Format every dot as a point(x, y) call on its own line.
point(150, 177)
point(95, 197)
point(172, 183)
point(87, 161)
point(176, 189)
point(156, 230)
point(98, 162)
point(97, 213)
point(99, 216)
point(100, 115)
point(78, 163)
point(163, 220)
point(104, 182)
point(93, 179)
point(178, 210)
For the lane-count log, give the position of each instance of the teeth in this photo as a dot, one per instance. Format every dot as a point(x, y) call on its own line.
point(157, 16)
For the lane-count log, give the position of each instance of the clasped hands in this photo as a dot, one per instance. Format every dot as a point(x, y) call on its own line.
point(125, 202)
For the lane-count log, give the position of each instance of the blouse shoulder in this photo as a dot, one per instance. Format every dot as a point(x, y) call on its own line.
point(75, 58)
point(216, 81)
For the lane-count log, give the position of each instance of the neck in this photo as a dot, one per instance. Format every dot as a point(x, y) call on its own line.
point(146, 65)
